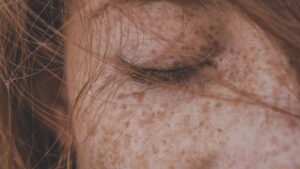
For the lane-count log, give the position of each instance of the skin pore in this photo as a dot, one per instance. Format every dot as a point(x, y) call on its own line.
point(234, 106)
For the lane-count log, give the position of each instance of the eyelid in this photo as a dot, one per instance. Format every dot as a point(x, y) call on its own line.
point(171, 76)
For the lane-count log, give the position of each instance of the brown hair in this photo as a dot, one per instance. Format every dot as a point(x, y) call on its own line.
point(31, 54)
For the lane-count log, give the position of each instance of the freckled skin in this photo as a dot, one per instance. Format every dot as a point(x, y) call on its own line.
point(237, 119)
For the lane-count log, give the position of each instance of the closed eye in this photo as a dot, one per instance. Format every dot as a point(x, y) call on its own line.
point(171, 76)
point(177, 75)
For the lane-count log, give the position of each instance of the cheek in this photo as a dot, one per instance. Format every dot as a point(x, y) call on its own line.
point(148, 130)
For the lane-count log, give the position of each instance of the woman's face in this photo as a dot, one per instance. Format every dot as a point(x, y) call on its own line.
point(178, 85)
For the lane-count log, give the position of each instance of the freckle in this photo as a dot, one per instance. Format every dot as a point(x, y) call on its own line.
point(186, 120)
point(210, 37)
point(182, 34)
point(171, 167)
point(252, 48)
point(121, 96)
point(124, 115)
point(185, 47)
point(292, 124)
point(161, 115)
point(220, 130)
point(201, 124)
point(122, 159)
point(232, 51)
point(215, 44)
point(274, 140)
point(177, 63)
point(165, 105)
point(124, 106)
point(141, 161)
point(154, 149)
point(148, 120)
point(113, 106)
point(218, 105)
point(222, 48)
point(203, 48)
point(206, 108)
point(197, 32)
point(172, 112)
point(153, 52)
point(105, 140)
point(127, 140)
point(139, 96)
point(161, 27)
point(127, 124)
point(187, 160)
point(286, 148)
point(221, 142)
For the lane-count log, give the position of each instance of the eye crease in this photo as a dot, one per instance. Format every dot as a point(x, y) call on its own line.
point(173, 76)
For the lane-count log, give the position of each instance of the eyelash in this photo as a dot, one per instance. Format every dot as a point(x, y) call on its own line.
point(175, 76)
point(151, 76)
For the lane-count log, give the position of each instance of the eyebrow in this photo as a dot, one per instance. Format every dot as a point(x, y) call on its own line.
point(184, 3)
